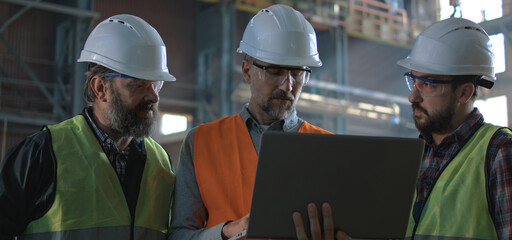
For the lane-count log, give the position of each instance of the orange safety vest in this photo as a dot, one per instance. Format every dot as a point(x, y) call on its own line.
point(225, 164)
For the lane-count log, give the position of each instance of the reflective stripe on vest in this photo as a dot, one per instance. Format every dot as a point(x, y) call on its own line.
point(114, 233)
point(89, 200)
point(457, 207)
point(428, 237)
point(225, 164)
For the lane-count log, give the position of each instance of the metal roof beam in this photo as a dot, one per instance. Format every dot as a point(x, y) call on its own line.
point(52, 7)
point(14, 17)
point(32, 75)
point(33, 120)
point(495, 26)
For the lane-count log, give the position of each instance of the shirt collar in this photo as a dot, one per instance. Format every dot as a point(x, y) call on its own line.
point(288, 124)
point(102, 136)
point(464, 132)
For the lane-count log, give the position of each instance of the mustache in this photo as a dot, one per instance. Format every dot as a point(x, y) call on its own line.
point(280, 94)
point(420, 108)
point(143, 106)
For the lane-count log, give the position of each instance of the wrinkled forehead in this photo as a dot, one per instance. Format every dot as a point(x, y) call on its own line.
point(431, 76)
point(267, 64)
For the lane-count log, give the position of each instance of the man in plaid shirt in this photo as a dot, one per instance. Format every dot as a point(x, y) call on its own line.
point(465, 183)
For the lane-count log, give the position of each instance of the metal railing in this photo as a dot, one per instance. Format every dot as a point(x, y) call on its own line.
point(369, 19)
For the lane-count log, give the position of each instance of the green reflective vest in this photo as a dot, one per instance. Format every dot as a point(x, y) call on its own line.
point(89, 200)
point(457, 207)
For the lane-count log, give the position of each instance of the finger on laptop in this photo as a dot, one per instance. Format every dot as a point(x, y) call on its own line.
point(299, 226)
point(328, 223)
point(314, 223)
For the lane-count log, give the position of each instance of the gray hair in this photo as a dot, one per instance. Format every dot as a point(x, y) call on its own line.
point(94, 70)
point(248, 58)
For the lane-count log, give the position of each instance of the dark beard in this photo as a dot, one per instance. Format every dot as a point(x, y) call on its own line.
point(439, 122)
point(125, 122)
point(276, 111)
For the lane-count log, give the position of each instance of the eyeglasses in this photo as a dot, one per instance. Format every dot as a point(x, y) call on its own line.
point(429, 87)
point(278, 74)
point(139, 85)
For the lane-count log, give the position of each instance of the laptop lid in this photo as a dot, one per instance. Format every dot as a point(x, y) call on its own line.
point(369, 182)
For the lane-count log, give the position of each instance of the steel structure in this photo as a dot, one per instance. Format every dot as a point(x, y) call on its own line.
point(60, 92)
point(63, 89)
point(367, 19)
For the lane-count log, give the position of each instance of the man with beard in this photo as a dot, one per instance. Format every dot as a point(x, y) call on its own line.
point(97, 175)
point(464, 189)
point(218, 160)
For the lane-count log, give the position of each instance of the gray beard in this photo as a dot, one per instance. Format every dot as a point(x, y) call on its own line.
point(125, 122)
point(278, 112)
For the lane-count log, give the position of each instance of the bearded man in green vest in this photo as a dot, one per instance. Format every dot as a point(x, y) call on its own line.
point(465, 184)
point(97, 175)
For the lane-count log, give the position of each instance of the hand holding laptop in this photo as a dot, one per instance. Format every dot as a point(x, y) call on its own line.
point(316, 230)
point(235, 227)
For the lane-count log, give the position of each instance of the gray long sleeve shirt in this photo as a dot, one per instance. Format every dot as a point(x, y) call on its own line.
point(189, 214)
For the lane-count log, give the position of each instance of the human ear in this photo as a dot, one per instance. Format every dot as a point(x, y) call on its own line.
point(246, 67)
point(98, 86)
point(466, 93)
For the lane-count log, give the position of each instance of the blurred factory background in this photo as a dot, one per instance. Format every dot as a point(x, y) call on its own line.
point(359, 90)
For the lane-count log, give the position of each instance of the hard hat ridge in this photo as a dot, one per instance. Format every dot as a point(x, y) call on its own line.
point(129, 45)
point(281, 35)
point(454, 46)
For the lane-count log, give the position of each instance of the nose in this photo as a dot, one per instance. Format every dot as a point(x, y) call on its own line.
point(287, 83)
point(151, 95)
point(415, 96)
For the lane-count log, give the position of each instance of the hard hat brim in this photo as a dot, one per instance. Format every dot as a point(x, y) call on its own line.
point(161, 75)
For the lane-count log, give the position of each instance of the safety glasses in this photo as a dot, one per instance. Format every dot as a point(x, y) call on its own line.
point(429, 87)
point(278, 74)
point(138, 85)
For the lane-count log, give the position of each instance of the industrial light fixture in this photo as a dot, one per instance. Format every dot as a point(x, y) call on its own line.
point(173, 123)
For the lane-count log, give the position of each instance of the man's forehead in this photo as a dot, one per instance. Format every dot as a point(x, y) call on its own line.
point(433, 76)
point(135, 80)
point(277, 65)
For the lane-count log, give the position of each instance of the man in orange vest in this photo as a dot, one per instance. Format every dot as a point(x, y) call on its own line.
point(218, 159)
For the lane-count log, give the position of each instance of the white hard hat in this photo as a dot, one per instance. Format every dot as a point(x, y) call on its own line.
point(454, 46)
point(129, 45)
point(281, 35)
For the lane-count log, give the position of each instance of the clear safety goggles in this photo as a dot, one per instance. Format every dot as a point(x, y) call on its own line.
point(138, 85)
point(278, 74)
point(429, 87)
